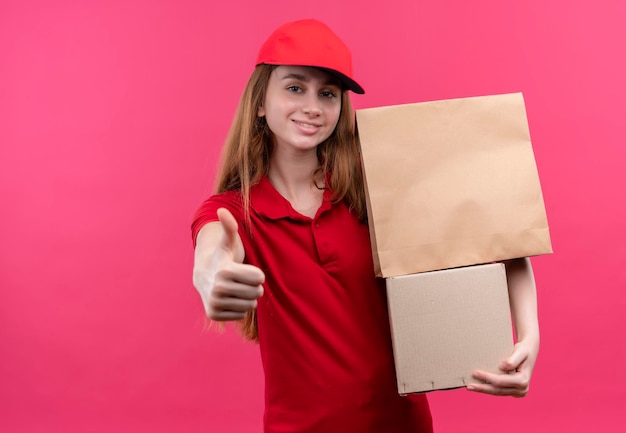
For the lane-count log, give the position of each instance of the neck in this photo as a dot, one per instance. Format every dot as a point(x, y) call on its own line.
point(292, 177)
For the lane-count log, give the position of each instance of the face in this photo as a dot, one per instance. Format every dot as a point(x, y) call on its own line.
point(301, 107)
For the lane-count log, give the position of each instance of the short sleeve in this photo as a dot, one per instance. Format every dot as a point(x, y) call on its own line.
point(207, 212)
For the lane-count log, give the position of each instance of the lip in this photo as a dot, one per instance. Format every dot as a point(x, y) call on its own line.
point(307, 127)
point(306, 124)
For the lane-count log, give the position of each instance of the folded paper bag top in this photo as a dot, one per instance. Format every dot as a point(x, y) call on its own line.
point(451, 183)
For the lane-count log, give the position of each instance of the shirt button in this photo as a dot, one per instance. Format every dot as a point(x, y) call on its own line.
point(317, 226)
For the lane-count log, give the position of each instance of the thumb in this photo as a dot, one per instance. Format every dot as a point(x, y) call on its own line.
point(230, 240)
point(516, 359)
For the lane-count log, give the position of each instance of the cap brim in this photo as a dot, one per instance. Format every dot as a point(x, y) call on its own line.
point(346, 81)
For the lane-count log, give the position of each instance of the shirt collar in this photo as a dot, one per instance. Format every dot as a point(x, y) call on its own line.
point(266, 201)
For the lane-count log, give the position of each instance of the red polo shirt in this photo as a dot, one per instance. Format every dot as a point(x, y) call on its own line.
point(323, 327)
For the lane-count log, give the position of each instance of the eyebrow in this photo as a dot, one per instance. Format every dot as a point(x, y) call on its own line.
point(332, 81)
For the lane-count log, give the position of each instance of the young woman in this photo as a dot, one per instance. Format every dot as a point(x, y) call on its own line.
point(284, 248)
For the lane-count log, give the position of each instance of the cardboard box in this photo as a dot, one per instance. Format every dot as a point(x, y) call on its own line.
point(445, 324)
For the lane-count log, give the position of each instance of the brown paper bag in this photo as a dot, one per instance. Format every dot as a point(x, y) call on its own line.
point(451, 183)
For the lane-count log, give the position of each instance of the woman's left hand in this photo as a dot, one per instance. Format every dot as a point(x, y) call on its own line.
point(515, 380)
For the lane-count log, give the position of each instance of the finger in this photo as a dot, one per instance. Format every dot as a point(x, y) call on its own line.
point(233, 289)
point(235, 305)
point(518, 380)
point(242, 273)
point(516, 359)
point(230, 227)
point(496, 390)
point(232, 301)
point(225, 316)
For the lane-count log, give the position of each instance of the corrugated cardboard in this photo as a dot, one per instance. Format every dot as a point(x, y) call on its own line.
point(446, 324)
point(451, 183)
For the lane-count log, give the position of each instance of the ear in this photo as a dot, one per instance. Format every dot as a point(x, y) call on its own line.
point(260, 112)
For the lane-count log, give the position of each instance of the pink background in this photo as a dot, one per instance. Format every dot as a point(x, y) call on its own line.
point(112, 114)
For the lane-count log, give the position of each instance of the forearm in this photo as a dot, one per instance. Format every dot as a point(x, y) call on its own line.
point(523, 299)
point(518, 367)
point(206, 242)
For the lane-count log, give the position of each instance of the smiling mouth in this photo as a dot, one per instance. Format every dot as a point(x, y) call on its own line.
point(307, 125)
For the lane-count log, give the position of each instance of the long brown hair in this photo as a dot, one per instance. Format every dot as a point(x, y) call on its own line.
point(249, 145)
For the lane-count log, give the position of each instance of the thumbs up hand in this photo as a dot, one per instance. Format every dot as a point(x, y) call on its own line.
point(228, 287)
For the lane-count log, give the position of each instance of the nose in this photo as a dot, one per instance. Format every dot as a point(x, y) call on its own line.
point(312, 106)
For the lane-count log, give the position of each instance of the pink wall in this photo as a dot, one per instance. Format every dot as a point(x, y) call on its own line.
point(111, 117)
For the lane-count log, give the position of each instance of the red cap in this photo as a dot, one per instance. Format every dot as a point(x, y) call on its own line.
point(310, 43)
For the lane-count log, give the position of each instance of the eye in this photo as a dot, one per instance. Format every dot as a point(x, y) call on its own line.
point(328, 94)
point(295, 89)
